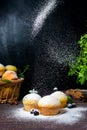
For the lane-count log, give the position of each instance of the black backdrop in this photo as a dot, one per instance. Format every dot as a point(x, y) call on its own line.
point(46, 49)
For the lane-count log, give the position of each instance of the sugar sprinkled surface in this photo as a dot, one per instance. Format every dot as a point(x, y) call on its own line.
point(66, 116)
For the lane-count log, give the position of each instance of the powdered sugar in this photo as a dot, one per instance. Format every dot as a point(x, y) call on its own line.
point(49, 100)
point(66, 116)
point(42, 15)
point(32, 96)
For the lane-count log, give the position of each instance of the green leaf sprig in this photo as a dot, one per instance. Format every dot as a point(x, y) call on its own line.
point(6, 80)
point(69, 99)
point(79, 67)
point(21, 73)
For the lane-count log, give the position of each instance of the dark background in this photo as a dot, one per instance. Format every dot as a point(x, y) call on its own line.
point(48, 51)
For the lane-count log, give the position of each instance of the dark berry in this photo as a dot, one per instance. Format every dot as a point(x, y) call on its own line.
point(69, 105)
point(73, 104)
point(32, 111)
point(36, 112)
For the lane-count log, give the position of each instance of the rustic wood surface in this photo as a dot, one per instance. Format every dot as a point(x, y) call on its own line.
point(11, 123)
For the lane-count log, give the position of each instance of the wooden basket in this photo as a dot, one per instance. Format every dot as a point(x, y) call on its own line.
point(9, 92)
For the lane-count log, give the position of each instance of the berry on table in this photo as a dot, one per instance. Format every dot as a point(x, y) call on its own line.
point(32, 111)
point(36, 112)
point(74, 104)
point(71, 105)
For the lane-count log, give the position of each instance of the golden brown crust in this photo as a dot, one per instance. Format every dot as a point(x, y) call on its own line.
point(10, 75)
point(49, 105)
point(30, 106)
point(30, 101)
point(49, 111)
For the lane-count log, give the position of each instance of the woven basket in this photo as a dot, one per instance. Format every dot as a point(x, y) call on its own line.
point(9, 92)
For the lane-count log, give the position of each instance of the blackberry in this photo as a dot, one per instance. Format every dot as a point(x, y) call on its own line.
point(32, 111)
point(36, 113)
point(71, 105)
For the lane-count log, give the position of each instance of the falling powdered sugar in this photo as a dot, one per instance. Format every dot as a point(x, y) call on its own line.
point(42, 15)
point(66, 116)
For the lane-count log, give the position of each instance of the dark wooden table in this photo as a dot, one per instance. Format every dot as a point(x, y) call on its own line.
point(9, 122)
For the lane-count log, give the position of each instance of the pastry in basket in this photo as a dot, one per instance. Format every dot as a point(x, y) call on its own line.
point(62, 97)
point(49, 105)
point(11, 67)
point(10, 90)
point(30, 101)
point(2, 69)
point(75, 93)
point(10, 75)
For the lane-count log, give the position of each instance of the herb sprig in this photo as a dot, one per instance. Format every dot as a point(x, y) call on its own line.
point(79, 68)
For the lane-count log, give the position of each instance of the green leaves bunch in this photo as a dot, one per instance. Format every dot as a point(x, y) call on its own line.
point(79, 67)
point(21, 73)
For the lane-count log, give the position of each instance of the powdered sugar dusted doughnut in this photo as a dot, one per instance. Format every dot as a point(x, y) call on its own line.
point(31, 101)
point(61, 96)
point(49, 105)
